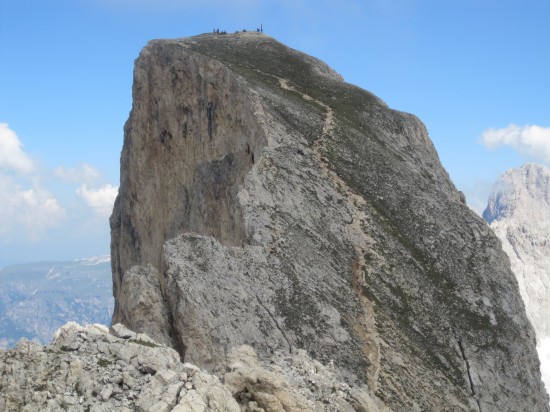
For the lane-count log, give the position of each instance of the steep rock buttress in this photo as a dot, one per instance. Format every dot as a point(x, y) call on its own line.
point(264, 201)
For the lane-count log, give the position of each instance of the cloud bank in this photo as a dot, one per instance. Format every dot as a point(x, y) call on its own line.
point(83, 173)
point(530, 140)
point(101, 200)
point(29, 210)
point(26, 213)
point(12, 156)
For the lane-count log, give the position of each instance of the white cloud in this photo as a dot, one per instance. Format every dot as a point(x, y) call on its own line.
point(26, 214)
point(531, 140)
point(26, 210)
point(83, 173)
point(32, 204)
point(101, 200)
point(12, 156)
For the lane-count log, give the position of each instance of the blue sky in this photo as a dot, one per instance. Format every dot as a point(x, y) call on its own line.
point(475, 72)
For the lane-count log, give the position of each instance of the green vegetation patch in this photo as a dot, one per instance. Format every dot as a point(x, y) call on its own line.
point(104, 363)
point(144, 343)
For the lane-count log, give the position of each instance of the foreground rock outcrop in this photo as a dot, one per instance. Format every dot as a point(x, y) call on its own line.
point(519, 213)
point(90, 369)
point(264, 201)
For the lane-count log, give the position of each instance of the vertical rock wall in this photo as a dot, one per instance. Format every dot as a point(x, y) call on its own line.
point(191, 138)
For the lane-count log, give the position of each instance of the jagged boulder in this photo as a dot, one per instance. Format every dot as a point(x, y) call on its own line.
point(267, 202)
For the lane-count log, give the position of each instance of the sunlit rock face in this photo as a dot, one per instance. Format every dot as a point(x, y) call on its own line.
point(264, 201)
point(519, 213)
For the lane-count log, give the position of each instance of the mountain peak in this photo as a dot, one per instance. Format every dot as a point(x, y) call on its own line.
point(522, 193)
point(519, 213)
point(264, 201)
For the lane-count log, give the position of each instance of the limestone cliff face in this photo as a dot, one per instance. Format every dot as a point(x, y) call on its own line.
point(264, 201)
point(519, 213)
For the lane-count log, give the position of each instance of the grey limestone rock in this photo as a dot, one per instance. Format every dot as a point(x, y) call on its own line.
point(143, 303)
point(87, 368)
point(74, 374)
point(519, 213)
point(266, 202)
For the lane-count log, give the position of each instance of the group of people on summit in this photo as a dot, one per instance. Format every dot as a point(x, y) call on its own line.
point(258, 30)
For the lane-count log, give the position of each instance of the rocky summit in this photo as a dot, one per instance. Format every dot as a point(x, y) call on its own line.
point(519, 213)
point(265, 201)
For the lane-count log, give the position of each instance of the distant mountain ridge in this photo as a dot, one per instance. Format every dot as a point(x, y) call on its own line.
point(37, 298)
point(519, 213)
point(521, 194)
